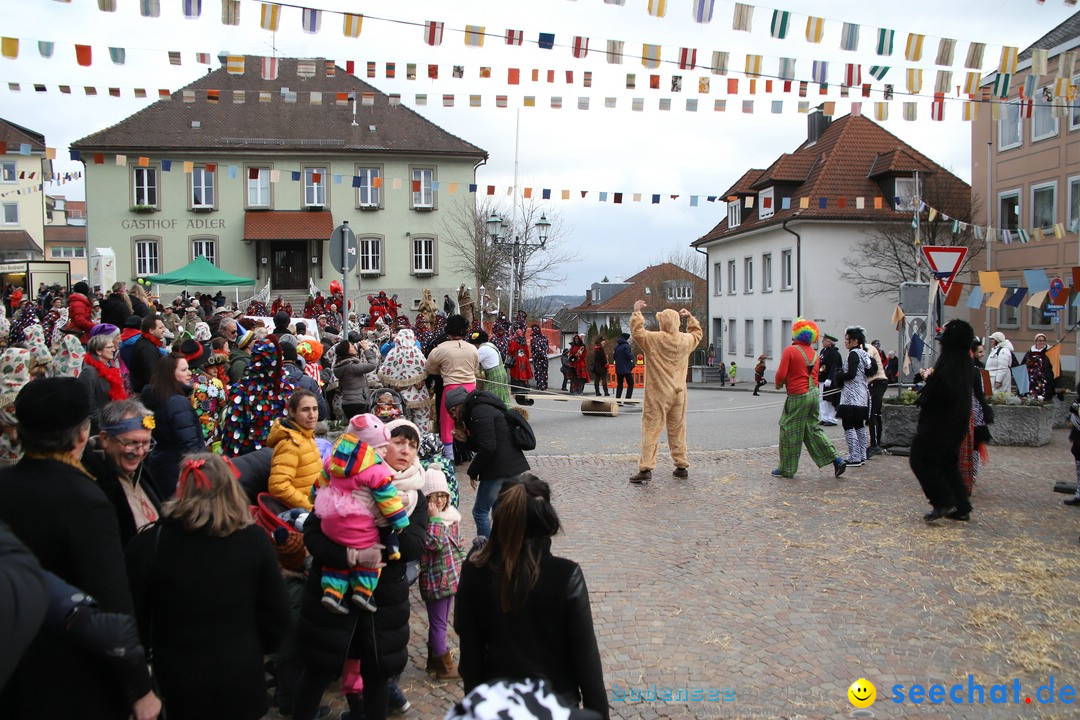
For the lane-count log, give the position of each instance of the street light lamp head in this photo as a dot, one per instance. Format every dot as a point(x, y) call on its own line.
point(494, 225)
point(542, 226)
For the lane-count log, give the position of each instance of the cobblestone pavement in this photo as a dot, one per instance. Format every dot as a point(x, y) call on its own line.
point(787, 591)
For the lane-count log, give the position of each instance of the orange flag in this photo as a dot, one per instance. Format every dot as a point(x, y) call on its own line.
point(1053, 354)
point(953, 296)
point(83, 55)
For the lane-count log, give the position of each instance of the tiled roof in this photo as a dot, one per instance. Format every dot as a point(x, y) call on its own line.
point(279, 126)
point(787, 168)
point(288, 225)
point(65, 233)
point(897, 161)
point(745, 184)
point(15, 135)
point(651, 277)
point(842, 160)
point(16, 241)
point(1063, 33)
point(75, 208)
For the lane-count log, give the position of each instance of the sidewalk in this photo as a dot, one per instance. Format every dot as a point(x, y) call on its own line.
point(787, 591)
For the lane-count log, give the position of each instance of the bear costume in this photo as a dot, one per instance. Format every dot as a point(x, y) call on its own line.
point(944, 419)
point(667, 351)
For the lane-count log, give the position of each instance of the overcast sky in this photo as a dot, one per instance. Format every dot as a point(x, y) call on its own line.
point(614, 150)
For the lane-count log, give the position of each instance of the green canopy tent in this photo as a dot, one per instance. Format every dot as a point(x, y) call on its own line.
point(202, 273)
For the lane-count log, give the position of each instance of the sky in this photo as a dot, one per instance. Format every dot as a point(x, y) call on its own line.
point(601, 149)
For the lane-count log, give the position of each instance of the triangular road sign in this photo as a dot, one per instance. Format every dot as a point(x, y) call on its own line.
point(945, 262)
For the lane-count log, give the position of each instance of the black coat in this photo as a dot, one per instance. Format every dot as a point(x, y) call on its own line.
point(145, 356)
point(550, 637)
point(64, 518)
point(496, 456)
point(624, 357)
point(209, 608)
point(379, 639)
point(23, 600)
point(831, 364)
point(177, 432)
point(302, 380)
point(107, 476)
point(115, 311)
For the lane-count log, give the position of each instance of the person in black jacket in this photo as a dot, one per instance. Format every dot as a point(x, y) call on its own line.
point(57, 511)
point(24, 597)
point(209, 597)
point(496, 456)
point(176, 425)
point(831, 362)
point(624, 366)
point(116, 308)
point(380, 639)
point(146, 353)
point(301, 379)
point(522, 612)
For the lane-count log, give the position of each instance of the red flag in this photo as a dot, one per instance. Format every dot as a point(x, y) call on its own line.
point(687, 58)
point(513, 76)
point(514, 37)
point(581, 46)
point(433, 32)
point(83, 55)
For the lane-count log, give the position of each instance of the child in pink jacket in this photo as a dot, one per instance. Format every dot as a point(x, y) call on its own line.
point(354, 476)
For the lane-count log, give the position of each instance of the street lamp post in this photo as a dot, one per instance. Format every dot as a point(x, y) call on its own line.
point(498, 301)
point(520, 250)
point(480, 300)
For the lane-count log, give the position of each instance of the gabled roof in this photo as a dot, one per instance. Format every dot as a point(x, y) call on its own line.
point(278, 126)
point(787, 168)
point(745, 184)
point(65, 233)
point(17, 241)
point(651, 277)
point(840, 164)
point(15, 135)
point(1063, 33)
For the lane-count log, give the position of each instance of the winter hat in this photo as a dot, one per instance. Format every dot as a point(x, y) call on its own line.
point(104, 329)
point(435, 482)
point(194, 352)
point(369, 430)
point(281, 322)
point(245, 340)
point(81, 287)
point(804, 331)
point(290, 549)
point(15, 374)
point(999, 337)
point(52, 404)
point(401, 422)
point(202, 331)
point(455, 397)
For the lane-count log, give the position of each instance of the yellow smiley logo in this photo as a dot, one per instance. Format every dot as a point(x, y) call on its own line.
point(862, 693)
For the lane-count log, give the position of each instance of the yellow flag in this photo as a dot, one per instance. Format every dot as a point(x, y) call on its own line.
point(9, 47)
point(658, 8)
point(815, 28)
point(351, 25)
point(913, 49)
point(271, 14)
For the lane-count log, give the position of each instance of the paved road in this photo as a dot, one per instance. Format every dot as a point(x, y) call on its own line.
point(787, 591)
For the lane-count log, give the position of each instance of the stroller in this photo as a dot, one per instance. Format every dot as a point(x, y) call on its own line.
point(386, 404)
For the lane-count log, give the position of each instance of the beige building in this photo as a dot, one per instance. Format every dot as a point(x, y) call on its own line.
point(65, 234)
point(1029, 168)
point(254, 174)
point(23, 167)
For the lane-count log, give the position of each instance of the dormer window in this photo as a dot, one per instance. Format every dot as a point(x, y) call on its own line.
point(734, 214)
point(905, 194)
point(766, 203)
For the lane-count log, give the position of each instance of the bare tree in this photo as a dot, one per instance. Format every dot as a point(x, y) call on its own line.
point(687, 258)
point(492, 264)
point(886, 256)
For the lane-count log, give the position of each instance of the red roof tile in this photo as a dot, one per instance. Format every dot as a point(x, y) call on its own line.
point(65, 233)
point(17, 240)
point(897, 161)
point(15, 135)
point(651, 277)
point(839, 164)
point(288, 225)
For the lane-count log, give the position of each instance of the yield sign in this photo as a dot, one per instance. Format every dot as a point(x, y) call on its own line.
point(945, 262)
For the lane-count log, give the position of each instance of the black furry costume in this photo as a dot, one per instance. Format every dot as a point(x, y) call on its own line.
point(944, 416)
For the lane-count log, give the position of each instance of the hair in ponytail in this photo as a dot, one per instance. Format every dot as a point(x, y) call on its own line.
point(523, 524)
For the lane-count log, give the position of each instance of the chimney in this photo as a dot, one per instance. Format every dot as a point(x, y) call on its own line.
point(816, 122)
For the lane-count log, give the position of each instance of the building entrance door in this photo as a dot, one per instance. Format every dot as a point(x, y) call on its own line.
point(289, 270)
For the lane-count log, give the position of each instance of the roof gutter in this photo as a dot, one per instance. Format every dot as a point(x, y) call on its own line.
point(798, 268)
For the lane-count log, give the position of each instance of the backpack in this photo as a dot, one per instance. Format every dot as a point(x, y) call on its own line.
point(521, 432)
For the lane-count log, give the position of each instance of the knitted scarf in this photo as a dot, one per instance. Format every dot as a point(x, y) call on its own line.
point(111, 376)
point(151, 338)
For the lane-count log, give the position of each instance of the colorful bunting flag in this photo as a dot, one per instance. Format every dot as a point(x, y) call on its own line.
point(192, 9)
point(820, 71)
point(83, 55)
point(743, 17)
point(433, 32)
point(687, 58)
point(878, 72)
point(849, 37)
point(1001, 85)
point(546, 41)
point(269, 68)
point(614, 52)
point(913, 48)
point(753, 66)
point(1008, 62)
point(9, 47)
point(515, 37)
point(945, 51)
point(351, 24)
point(975, 56)
point(720, 62)
point(474, 36)
point(311, 20)
point(779, 26)
point(234, 64)
point(150, 8)
point(815, 28)
point(657, 8)
point(787, 69)
point(943, 81)
point(702, 10)
point(230, 12)
point(650, 56)
point(885, 41)
point(853, 74)
point(45, 48)
point(270, 17)
point(580, 48)
point(911, 111)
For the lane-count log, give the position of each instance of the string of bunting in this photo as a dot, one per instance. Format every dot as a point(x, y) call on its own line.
point(702, 11)
point(988, 233)
point(60, 179)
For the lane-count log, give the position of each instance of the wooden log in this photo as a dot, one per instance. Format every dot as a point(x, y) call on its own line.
point(597, 407)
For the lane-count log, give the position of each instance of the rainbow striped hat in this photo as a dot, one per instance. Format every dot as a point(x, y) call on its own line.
point(804, 331)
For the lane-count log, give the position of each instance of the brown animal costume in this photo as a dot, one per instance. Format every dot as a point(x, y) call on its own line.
point(666, 353)
point(465, 304)
point(427, 307)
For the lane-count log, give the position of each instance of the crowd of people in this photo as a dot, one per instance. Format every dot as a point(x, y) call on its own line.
point(196, 498)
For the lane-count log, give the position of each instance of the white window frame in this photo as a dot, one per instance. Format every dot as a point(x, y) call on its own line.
point(731, 277)
point(369, 250)
point(766, 272)
point(718, 275)
point(1010, 108)
point(1074, 113)
point(907, 199)
point(258, 186)
point(203, 183)
point(146, 256)
point(148, 184)
point(679, 292)
point(67, 251)
point(1036, 321)
point(200, 244)
point(423, 258)
point(748, 325)
point(424, 199)
point(1040, 187)
point(1045, 108)
point(316, 194)
point(766, 212)
point(748, 275)
point(1073, 214)
point(368, 197)
point(766, 337)
point(1002, 321)
point(734, 214)
point(4, 208)
point(786, 269)
point(733, 337)
point(5, 177)
point(1019, 209)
